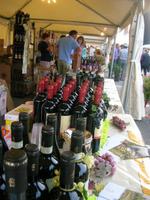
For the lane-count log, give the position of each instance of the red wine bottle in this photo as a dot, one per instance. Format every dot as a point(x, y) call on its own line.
point(81, 126)
point(79, 110)
point(16, 135)
point(2, 182)
point(38, 102)
point(52, 121)
point(85, 77)
point(36, 188)
point(66, 189)
point(15, 164)
point(49, 106)
point(5, 146)
point(71, 98)
point(64, 113)
point(59, 88)
point(55, 97)
point(99, 76)
point(46, 83)
point(94, 122)
point(48, 163)
point(24, 118)
point(81, 169)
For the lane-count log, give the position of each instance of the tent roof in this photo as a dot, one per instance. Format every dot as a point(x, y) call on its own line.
point(86, 16)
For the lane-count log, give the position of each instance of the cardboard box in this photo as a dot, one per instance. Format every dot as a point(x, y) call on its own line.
point(13, 115)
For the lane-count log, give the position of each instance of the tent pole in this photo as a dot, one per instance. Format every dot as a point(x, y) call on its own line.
point(132, 64)
point(112, 61)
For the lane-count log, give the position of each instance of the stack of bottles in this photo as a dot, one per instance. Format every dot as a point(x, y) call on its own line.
point(30, 173)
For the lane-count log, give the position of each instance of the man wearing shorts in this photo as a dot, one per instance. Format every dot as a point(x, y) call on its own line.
point(65, 46)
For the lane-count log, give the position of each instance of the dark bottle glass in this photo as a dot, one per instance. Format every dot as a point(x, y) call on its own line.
point(99, 77)
point(5, 147)
point(81, 169)
point(81, 71)
point(59, 88)
point(79, 81)
point(46, 82)
point(48, 107)
point(55, 97)
point(66, 189)
point(87, 73)
point(52, 121)
point(36, 188)
point(94, 122)
point(15, 164)
point(2, 182)
point(75, 94)
point(81, 126)
point(16, 135)
point(71, 99)
point(48, 163)
point(64, 113)
point(79, 110)
point(38, 102)
point(24, 118)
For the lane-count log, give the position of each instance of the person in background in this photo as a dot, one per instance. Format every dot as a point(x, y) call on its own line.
point(145, 61)
point(123, 57)
point(83, 55)
point(64, 49)
point(81, 42)
point(46, 50)
point(116, 54)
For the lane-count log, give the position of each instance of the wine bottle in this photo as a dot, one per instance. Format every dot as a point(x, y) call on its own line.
point(64, 113)
point(80, 110)
point(48, 106)
point(46, 82)
point(38, 102)
point(94, 122)
point(48, 163)
point(5, 146)
point(71, 98)
point(59, 88)
point(15, 164)
point(36, 188)
point(55, 97)
point(2, 182)
point(66, 189)
point(85, 77)
point(52, 121)
point(16, 135)
point(24, 118)
point(81, 169)
point(99, 77)
point(81, 126)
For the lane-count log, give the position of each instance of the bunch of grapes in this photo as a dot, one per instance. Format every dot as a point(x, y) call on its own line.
point(91, 185)
point(119, 123)
point(105, 165)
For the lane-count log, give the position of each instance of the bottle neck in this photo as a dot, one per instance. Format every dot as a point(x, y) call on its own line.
point(67, 175)
point(17, 145)
point(46, 150)
point(20, 196)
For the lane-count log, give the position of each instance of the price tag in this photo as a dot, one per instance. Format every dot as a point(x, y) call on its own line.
point(104, 136)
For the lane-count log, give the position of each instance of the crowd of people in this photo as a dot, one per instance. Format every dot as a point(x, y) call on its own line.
point(64, 50)
point(121, 57)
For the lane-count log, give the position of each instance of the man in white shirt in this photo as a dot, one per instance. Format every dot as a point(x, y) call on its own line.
point(123, 57)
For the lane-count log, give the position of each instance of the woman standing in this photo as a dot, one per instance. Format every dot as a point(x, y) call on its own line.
point(46, 50)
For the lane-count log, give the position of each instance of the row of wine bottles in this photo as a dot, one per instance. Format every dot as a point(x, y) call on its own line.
point(18, 53)
point(30, 174)
point(76, 100)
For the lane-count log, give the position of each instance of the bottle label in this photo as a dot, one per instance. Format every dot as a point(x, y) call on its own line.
point(50, 183)
point(78, 156)
point(65, 123)
point(17, 145)
point(46, 150)
point(98, 131)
